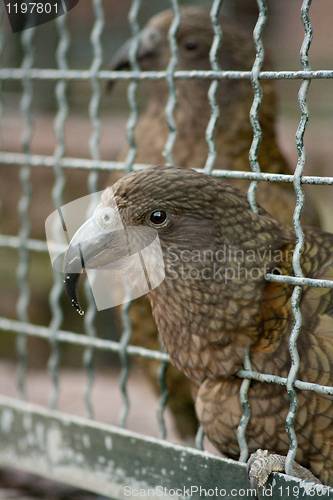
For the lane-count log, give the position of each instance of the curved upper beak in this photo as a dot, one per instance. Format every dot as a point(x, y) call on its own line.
point(121, 59)
point(91, 247)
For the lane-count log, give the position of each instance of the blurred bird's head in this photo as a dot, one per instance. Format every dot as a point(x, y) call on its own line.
point(194, 38)
point(199, 220)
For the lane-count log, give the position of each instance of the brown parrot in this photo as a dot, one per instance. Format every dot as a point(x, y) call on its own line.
point(214, 303)
point(233, 136)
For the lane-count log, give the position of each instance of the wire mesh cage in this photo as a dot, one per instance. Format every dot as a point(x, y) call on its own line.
point(62, 133)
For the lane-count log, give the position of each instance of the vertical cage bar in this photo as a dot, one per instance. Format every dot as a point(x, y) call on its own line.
point(133, 86)
point(163, 400)
point(214, 116)
point(164, 394)
point(94, 104)
point(299, 237)
point(130, 126)
point(199, 438)
point(167, 153)
point(244, 450)
point(124, 358)
point(215, 111)
point(59, 184)
point(23, 207)
point(262, 16)
point(256, 101)
point(172, 100)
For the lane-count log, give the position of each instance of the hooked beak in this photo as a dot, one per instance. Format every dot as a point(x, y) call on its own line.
point(95, 247)
point(85, 251)
point(121, 60)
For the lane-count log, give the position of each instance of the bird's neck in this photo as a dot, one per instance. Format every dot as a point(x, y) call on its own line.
point(233, 133)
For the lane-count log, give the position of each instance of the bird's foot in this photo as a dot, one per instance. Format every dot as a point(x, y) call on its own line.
point(262, 463)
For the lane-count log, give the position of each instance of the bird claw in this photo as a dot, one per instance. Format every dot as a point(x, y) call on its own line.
point(254, 488)
point(262, 463)
point(259, 466)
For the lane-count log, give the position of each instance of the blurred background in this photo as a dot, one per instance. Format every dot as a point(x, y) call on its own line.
point(283, 36)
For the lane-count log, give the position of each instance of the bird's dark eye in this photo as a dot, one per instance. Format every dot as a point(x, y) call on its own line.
point(158, 217)
point(191, 45)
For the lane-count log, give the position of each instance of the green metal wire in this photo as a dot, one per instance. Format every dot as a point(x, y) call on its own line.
point(256, 101)
point(94, 105)
point(130, 126)
point(24, 203)
point(172, 100)
point(164, 394)
point(163, 400)
point(299, 239)
point(124, 350)
point(57, 289)
point(109, 345)
point(215, 112)
point(243, 394)
point(199, 438)
point(133, 86)
point(75, 74)
point(169, 115)
point(251, 196)
point(85, 164)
